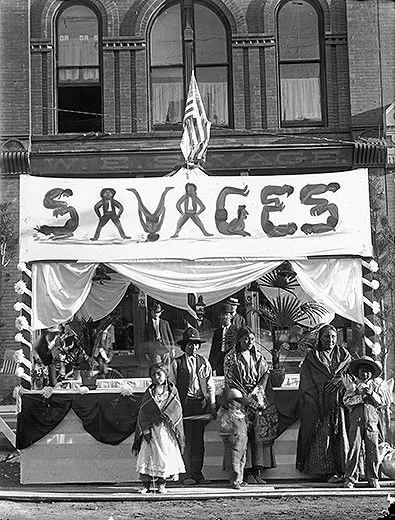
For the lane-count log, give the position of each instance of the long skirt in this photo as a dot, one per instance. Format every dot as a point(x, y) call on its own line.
point(161, 456)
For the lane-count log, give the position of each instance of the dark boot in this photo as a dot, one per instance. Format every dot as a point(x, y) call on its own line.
point(257, 472)
point(249, 477)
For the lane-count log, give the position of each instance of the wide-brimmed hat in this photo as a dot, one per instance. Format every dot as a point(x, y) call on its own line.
point(232, 301)
point(375, 366)
point(234, 394)
point(190, 335)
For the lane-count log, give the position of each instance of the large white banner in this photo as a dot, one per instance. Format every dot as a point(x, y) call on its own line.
point(194, 216)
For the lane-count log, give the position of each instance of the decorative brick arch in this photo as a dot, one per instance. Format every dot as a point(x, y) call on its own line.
point(45, 11)
point(136, 20)
point(269, 12)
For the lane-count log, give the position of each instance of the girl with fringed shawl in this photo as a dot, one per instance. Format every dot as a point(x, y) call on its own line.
point(159, 436)
point(322, 441)
point(246, 369)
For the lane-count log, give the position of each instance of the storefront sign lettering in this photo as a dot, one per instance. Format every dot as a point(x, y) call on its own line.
point(86, 213)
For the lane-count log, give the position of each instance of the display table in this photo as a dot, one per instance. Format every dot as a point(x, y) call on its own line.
point(93, 435)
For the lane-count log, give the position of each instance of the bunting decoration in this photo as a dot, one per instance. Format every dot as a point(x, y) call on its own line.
point(23, 324)
point(371, 308)
point(196, 132)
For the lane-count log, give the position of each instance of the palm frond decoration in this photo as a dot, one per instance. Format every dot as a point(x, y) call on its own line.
point(86, 334)
point(282, 278)
point(281, 314)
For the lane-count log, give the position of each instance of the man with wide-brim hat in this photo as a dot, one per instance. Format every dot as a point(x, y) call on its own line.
point(364, 397)
point(224, 339)
point(193, 376)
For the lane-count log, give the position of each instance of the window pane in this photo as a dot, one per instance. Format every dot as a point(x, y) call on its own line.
point(298, 31)
point(79, 109)
point(210, 37)
point(78, 38)
point(213, 88)
point(167, 95)
point(166, 43)
point(300, 92)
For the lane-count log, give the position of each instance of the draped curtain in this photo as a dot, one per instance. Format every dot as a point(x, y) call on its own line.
point(300, 99)
point(336, 283)
point(168, 102)
point(81, 57)
point(63, 290)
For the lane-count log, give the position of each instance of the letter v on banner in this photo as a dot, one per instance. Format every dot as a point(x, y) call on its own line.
point(196, 134)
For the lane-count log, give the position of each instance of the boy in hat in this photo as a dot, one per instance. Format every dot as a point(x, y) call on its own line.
point(193, 376)
point(233, 430)
point(364, 397)
point(224, 339)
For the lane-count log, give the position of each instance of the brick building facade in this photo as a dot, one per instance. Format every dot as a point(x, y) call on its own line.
point(346, 58)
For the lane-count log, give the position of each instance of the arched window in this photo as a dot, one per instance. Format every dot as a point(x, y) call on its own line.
point(79, 92)
point(300, 64)
point(183, 39)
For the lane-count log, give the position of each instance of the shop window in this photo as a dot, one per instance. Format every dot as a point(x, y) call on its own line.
point(300, 64)
point(183, 39)
point(79, 92)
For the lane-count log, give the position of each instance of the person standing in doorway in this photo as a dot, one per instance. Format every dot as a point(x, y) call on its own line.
point(237, 320)
point(224, 339)
point(159, 337)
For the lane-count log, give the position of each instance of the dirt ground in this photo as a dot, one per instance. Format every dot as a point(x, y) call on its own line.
point(285, 508)
point(336, 508)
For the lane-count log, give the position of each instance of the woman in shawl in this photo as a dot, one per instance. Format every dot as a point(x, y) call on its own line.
point(322, 441)
point(159, 436)
point(247, 370)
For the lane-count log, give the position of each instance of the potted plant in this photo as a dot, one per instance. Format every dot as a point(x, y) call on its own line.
point(81, 338)
point(288, 318)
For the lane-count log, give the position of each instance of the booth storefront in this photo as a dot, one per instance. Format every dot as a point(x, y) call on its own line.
point(172, 239)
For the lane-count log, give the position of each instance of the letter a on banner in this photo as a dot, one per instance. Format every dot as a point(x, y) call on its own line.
point(196, 134)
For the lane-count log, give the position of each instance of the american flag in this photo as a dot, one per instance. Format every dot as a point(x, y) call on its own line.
point(9, 364)
point(196, 132)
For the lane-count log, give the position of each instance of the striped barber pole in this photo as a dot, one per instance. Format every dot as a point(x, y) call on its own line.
point(196, 132)
point(23, 324)
point(371, 308)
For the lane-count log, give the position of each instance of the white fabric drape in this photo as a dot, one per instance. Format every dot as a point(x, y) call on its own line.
point(170, 282)
point(63, 290)
point(59, 290)
point(300, 99)
point(103, 298)
point(336, 283)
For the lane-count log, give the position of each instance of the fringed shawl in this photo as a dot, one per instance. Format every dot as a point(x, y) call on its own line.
point(314, 402)
point(150, 414)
